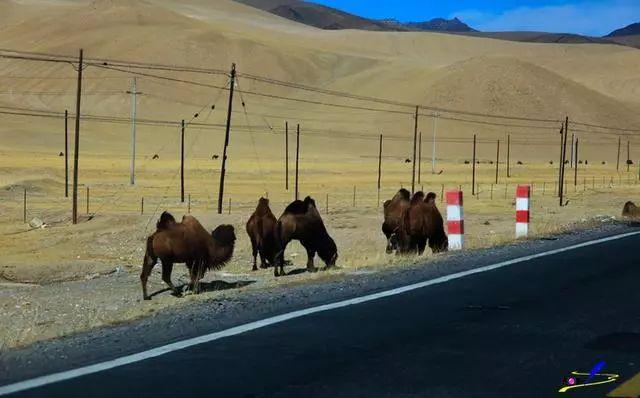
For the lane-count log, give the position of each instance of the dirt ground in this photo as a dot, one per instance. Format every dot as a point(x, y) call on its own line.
point(63, 279)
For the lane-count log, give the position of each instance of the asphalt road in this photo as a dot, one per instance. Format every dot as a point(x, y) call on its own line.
point(512, 332)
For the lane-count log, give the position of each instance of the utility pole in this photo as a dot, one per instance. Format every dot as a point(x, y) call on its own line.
point(564, 157)
point(573, 138)
point(66, 154)
point(560, 161)
point(74, 211)
point(628, 154)
point(473, 175)
point(415, 138)
point(433, 146)
point(508, 155)
point(297, 157)
point(379, 169)
point(133, 93)
point(618, 161)
point(419, 156)
point(226, 137)
point(497, 160)
point(286, 156)
point(575, 159)
point(182, 162)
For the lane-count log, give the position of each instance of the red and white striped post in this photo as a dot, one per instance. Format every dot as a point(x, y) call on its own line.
point(455, 220)
point(523, 193)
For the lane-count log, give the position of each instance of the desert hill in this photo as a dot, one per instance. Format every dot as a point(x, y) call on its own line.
point(594, 84)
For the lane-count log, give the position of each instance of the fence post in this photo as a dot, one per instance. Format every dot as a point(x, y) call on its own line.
point(142, 206)
point(24, 206)
point(354, 196)
point(229, 205)
point(491, 191)
point(326, 205)
point(87, 199)
point(523, 194)
point(455, 220)
point(442, 193)
point(189, 204)
point(544, 188)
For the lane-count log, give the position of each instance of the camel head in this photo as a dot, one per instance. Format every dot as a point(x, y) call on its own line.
point(328, 252)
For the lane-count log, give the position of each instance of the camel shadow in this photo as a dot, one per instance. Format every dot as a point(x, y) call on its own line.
point(223, 285)
point(205, 287)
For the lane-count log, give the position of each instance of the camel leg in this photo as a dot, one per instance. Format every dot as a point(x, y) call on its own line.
point(167, 268)
point(279, 261)
point(197, 273)
point(147, 266)
point(254, 251)
point(263, 261)
point(311, 253)
point(421, 245)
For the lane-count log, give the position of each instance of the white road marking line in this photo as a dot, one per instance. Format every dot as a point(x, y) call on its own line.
point(165, 349)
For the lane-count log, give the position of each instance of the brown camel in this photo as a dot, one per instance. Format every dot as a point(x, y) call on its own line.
point(189, 243)
point(630, 210)
point(422, 223)
point(301, 221)
point(261, 229)
point(393, 210)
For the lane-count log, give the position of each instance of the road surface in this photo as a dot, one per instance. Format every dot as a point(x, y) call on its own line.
point(515, 331)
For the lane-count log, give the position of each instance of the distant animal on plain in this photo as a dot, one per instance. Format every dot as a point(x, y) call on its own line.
point(61, 154)
point(301, 221)
point(261, 229)
point(189, 243)
point(520, 163)
point(156, 156)
point(440, 172)
point(421, 224)
point(214, 157)
point(630, 210)
point(407, 160)
point(393, 210)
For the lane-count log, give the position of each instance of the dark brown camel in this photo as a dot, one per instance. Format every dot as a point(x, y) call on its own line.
point(393, 210)
point(630, 210)
point(261, 229)
point(301, 221)
point(189, 243)
point(422, 223)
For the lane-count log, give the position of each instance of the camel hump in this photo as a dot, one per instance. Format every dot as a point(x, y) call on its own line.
point(165, 221)
point(296, 207)
point(629, 208)
point(403, 194)
point(309, 201)
point(431, 198)
point(224, 234)
point(417, 197)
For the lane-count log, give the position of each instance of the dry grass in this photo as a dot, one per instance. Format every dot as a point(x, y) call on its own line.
point(72, 267)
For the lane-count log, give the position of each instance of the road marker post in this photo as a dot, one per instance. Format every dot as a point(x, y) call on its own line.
point(523, 194)
point(455, 220)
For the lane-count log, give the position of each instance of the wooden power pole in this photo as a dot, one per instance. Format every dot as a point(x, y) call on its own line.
point(286, 156)
point(297, 157)
point(575, 166)
point(379, 169)
point(618, 161)
point(74, 211)
point(66, 154)
point(232, 83)
point(415, 139)
point(419, 157)
point(473, 172)
point(134, 93)
point(182, 161)
point(508, 155)
point(563, 160)
point(497, 160)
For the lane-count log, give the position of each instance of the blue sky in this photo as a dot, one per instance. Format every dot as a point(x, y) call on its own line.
point(590, 17)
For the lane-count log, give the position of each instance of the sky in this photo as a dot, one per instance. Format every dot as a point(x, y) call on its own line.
point(588, 17)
